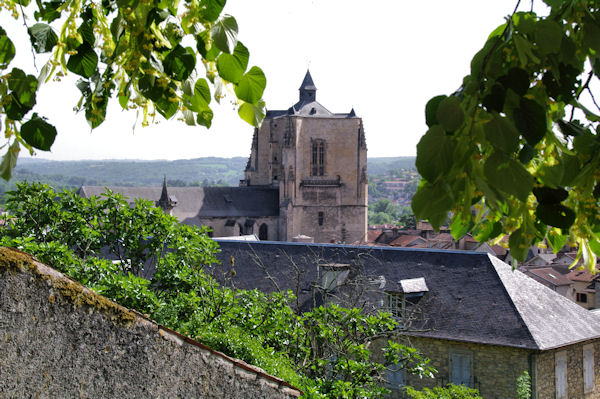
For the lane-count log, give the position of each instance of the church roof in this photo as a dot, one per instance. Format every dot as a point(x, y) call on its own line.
point(472, 297)
point(194, 203)
point(307, 106)
point(307, 83)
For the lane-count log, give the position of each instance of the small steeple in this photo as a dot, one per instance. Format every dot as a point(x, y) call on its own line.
point(166, 202)
point(308, 90)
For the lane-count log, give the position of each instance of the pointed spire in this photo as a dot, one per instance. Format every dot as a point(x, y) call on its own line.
point(166, 202)
point(308, 90)
point(352, 113)
point(164, 196)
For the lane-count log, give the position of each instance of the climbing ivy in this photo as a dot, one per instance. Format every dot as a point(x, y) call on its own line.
point(152, 55)
point(514, 151)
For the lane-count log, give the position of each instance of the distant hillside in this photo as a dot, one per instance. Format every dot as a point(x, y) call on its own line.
point(199, 171)
point(136, 173)
point(381, 166)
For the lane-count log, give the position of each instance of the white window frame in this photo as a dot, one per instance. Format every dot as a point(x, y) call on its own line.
point(560, 374)
point(588, 368)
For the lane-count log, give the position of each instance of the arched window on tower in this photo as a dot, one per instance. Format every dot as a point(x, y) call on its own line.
point(318, 158)
point(263, 232)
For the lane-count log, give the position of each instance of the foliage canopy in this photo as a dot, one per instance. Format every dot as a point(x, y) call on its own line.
point(165, 269)
point(515, 149)
point(149, 54)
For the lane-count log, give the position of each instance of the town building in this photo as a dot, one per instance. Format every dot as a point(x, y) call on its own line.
point(306, 176)
point(481, 323)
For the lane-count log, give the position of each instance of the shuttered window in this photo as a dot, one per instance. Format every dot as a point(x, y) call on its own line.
point(461, 366)
point(395, 377)
point(588, 368)
point(560, 374)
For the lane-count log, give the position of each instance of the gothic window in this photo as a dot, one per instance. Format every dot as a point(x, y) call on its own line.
point(317, 158)
point(320, 218)
point(263, 232)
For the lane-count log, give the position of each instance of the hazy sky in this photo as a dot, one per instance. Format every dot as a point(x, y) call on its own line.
point(384, 58)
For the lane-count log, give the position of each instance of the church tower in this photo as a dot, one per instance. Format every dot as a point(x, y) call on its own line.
point(318, 160)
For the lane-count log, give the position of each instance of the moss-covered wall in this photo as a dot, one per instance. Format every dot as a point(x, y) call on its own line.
point(58, 340)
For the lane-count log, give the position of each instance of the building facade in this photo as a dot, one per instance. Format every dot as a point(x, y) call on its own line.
point(318, 161)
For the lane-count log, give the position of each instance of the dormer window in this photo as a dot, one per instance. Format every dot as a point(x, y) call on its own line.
point(333, 275)
point(318, 158)
point(402, 303)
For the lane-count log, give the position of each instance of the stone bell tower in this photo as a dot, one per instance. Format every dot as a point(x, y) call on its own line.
point(318, 160)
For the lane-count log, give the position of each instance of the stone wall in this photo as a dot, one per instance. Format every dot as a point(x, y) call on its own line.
point(545, 372)
point(59, 339)
point(495, 369)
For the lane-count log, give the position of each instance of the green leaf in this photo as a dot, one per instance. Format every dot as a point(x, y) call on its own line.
point(231, 67)
point(202, 42)
point(204, 118)
point(519, 243)
point(508, 175)
point(585, 144)
point(572, 128)
point(251, 86)
point(501, 133)
point(494, 101)
point(179, 63)
point(460, 226)
point(548, 36)
point(526, 154)
point(434, 154)
point(433, 202)
point(548, 195)
point(38, 133)
point(48, 10)
point(23, 86)
point(23, 95)
point(252, 114)
point(224, 33)
point(166, 108)
point(551, 175)
point(530, 120)
point(450, 114)
point(9, 161)
point(149, 89)
point(591, 34)
point(42, 37)
point(211, 9)
point(486, 230)
point(556, 239)
point(516, 79)
point(202, 91)
point(431, 110)
point(7, 49)
point(85, 62)
point(556, 215)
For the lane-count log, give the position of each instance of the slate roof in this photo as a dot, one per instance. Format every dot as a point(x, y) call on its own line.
point(550, 275)
point(198, 202)
point(308, 105)
point(472, 297)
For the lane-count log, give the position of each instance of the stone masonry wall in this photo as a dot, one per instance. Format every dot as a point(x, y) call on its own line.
point(60, 340)
point(545, 372)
